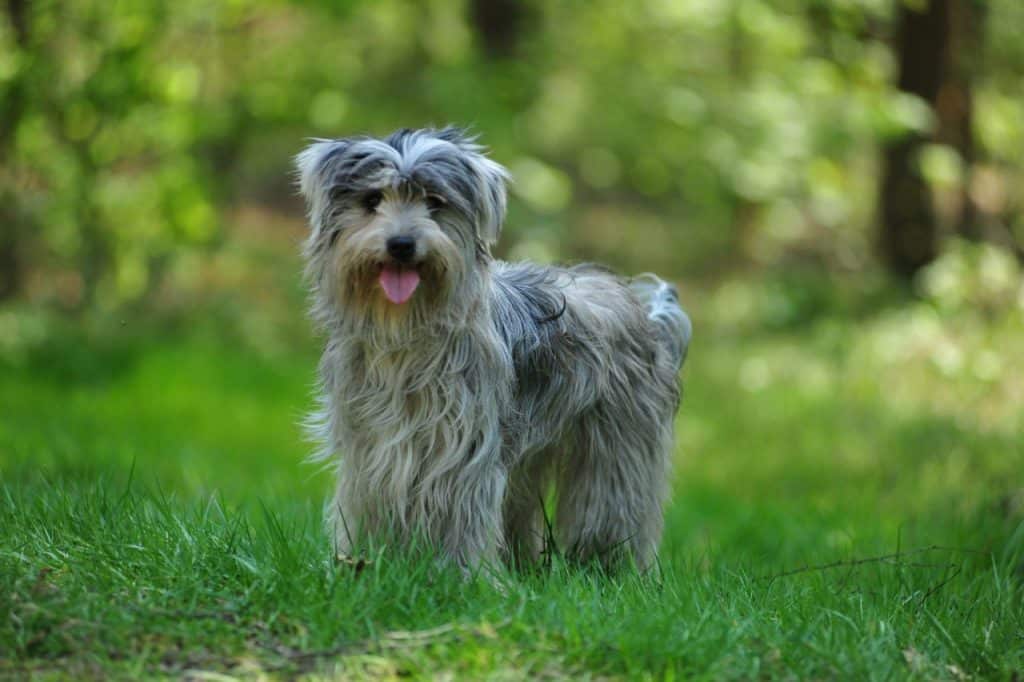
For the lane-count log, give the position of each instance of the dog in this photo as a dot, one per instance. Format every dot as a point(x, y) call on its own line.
point(455, 388)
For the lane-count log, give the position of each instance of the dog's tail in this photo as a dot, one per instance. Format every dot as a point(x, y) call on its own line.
point(671, 322)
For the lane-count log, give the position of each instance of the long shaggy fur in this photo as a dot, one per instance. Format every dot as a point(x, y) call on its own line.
point(450, 415)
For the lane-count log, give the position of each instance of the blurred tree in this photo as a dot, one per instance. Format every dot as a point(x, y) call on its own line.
point(679, 136)
point(909, 225)
point(12, 107)
point(954, 104)
point(937, 45)
point(501, 24)
point(98, 119)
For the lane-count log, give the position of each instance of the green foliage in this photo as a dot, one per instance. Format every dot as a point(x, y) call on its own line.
point(661, 135)
point(103, 127)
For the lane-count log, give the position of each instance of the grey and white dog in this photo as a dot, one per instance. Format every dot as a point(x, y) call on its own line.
point(456, 388)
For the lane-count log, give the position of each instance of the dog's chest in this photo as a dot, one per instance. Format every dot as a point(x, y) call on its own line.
point(407, 401)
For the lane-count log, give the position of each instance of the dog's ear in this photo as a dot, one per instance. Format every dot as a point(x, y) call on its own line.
point(491, 180)
point(311, 165)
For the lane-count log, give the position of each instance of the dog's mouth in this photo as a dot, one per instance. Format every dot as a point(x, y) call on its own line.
point(398, 281)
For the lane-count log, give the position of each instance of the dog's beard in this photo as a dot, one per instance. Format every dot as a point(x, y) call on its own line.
point(399, 299)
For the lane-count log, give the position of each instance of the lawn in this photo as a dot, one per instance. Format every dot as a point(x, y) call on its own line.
point(848, 503)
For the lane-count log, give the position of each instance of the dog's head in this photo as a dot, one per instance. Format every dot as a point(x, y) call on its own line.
point(401, 223)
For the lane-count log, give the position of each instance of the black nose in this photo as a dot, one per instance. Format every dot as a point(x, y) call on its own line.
point(402, 249)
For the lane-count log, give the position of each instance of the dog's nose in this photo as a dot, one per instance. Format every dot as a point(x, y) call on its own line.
point(402, 249)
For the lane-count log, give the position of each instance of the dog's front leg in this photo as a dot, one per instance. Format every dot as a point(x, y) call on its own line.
point(472, 535)
point(343, 521)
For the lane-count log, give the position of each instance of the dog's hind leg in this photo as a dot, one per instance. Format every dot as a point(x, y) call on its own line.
point(612, 484)
point(526, 534)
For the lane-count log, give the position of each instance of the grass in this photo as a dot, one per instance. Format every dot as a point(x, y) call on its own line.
point(157, 519)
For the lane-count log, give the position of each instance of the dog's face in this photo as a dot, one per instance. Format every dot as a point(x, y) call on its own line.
point(399, 224)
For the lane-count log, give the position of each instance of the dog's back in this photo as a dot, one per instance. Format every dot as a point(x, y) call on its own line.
point(596, 362)
point(535, 302)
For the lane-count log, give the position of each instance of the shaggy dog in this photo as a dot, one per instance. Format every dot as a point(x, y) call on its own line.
point(455, 388)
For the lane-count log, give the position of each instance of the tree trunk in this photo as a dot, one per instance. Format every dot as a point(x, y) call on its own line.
point(909, 237)
point(954, 105)
point(12, 107)
point(500, 24)
point(936, 45)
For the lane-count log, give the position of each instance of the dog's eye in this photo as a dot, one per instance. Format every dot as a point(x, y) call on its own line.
point(435, 202)
point(371, 200)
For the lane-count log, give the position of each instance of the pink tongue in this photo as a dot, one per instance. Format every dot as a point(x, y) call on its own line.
point(398, 283)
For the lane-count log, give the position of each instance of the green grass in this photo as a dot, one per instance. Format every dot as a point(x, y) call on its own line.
point(157, 519)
